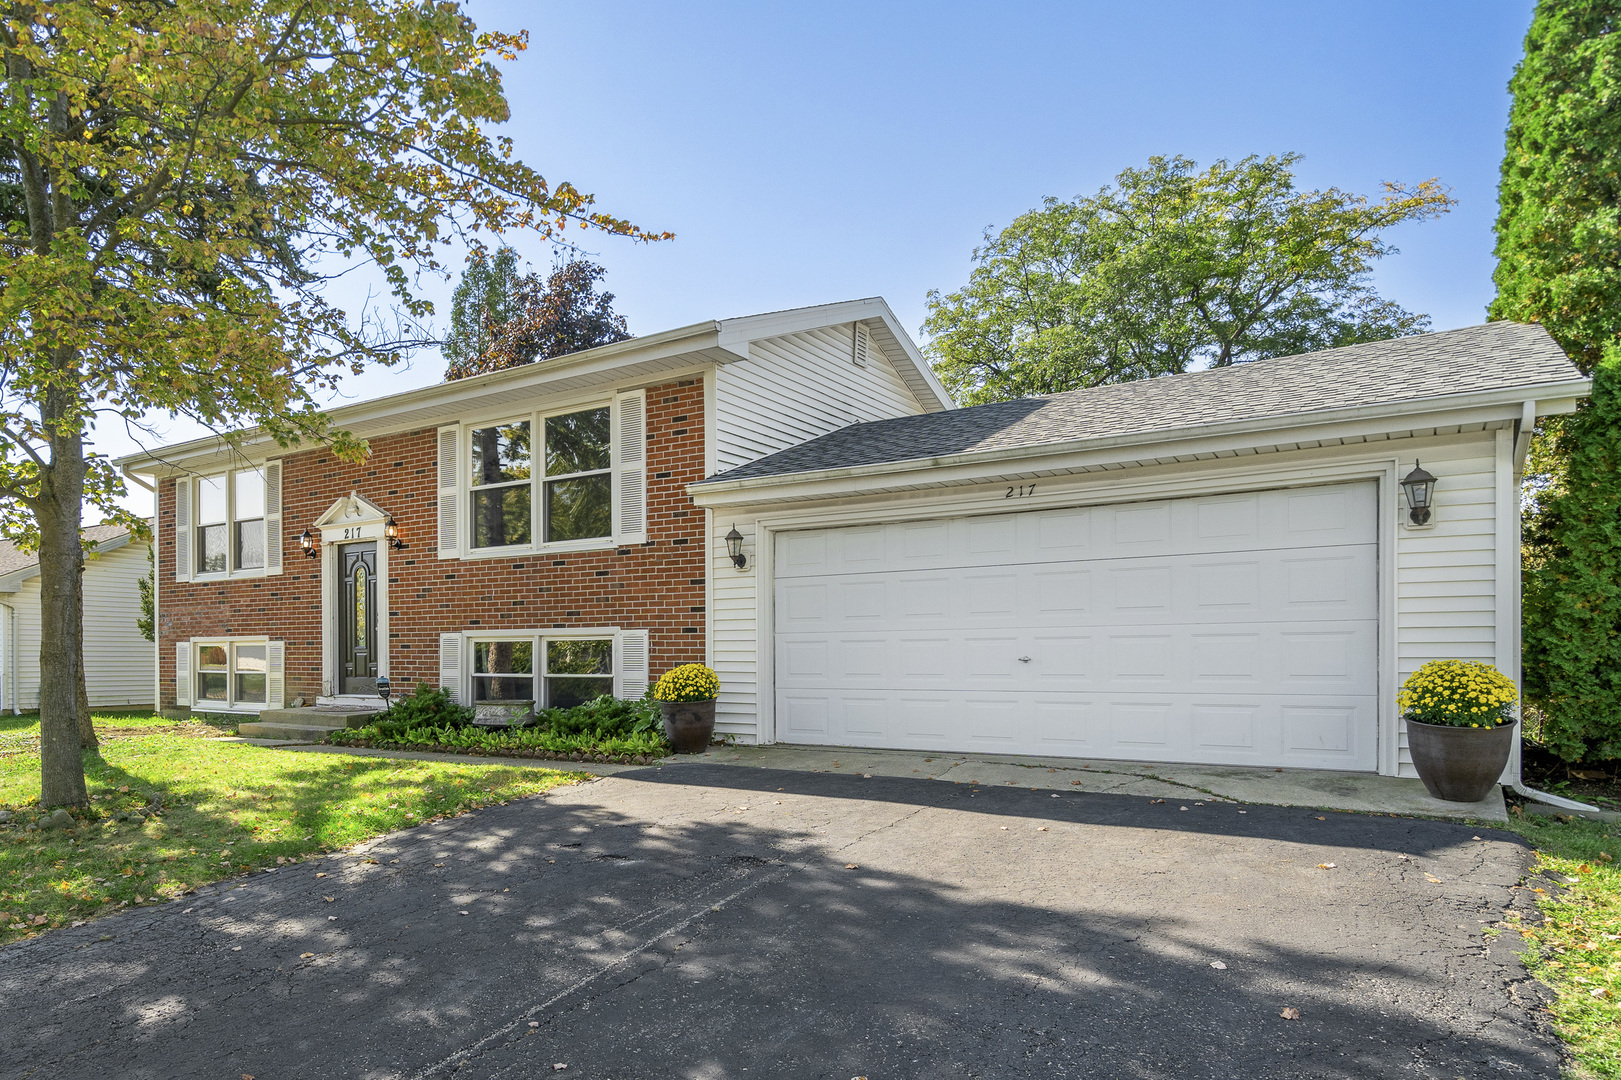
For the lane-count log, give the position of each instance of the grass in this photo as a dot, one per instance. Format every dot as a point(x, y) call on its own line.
point(208, 810)
point(1576, 947)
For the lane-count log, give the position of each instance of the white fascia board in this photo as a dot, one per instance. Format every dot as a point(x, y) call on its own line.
point(1497, 406)
point(736, 334)
point(679, 346)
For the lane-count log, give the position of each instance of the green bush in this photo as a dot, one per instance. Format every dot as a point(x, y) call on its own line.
point(426, 707)
point(607, 726)
point(1572, 639)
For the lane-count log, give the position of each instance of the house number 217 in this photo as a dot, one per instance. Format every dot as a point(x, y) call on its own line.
point(352, 533)
point(1020, 492)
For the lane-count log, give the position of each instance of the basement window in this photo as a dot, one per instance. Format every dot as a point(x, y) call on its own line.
point(230, 674)
point(555, 673)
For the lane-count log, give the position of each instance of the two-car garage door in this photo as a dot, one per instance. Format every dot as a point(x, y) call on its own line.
point(1236, 629)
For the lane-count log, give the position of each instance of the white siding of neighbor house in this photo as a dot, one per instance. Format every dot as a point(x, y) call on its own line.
point(118, 660)
point(798, 386)
point(1446, 576)
point(1446, 587)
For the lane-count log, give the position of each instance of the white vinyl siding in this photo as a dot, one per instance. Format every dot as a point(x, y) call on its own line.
point(797, 387)
point(1446, 587)
point(733, 649)
point(117, 659)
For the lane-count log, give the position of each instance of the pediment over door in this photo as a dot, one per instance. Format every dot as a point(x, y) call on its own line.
point(353, 517)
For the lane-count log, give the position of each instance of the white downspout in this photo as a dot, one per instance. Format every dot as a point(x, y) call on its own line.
point(1522, 446)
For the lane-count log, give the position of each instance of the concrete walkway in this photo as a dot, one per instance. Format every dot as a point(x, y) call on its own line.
point(1319, 788)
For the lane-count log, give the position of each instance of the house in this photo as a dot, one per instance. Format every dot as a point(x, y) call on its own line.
point(524, 535)
point(118, 660)
point(1217, 567)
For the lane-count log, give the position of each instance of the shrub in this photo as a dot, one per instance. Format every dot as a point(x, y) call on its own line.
point(426, 707)
point(606, 726)
point(1459, 693)
point(689, 682)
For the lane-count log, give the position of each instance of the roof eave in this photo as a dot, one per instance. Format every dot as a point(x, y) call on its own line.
point(1550, 398)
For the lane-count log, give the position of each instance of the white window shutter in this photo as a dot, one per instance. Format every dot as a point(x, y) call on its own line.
point(630, 665)
point(275, 678)
point(630, 468)
point(450, 664)
point(182, 529)
point(273, 539)
point(449, 500)
point(861, 347)
point(182, 673)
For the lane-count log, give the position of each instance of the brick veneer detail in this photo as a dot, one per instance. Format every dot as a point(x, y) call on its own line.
point(658, 586)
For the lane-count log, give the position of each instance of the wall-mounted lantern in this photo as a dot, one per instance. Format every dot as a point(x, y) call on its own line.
point(1420, 488)
point(307, 542)
point(734, 545)
point(391, 532)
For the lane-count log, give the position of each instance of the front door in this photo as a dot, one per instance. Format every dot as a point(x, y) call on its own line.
point(357, 619)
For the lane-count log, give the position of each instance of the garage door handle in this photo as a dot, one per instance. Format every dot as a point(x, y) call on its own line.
point(1024, 659)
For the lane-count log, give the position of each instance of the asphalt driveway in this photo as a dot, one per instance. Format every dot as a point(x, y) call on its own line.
point(710, 922)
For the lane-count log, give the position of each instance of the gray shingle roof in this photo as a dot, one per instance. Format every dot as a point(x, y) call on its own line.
point(12, 560)
point(1495, 356)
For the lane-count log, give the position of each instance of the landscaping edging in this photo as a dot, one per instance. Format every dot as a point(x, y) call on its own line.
point(516, 752)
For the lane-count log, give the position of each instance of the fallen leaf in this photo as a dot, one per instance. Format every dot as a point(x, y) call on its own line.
point(331, 918)
point(1218, 965)
point(559, 1067)
point(1474, 838)
point(1041, 828)
point(305, 955)
point(1436, 881)
point(1151, 802)
point(1322, 819)
point(1181, 808)
point(534, 1023)
point(851, 866)
point(1326, 865)
point(1074, 782)
point(236, 948)
point(466, 913)
point(321, 874)
point(1290, 1013)
point(41, 920)
point(329, 899)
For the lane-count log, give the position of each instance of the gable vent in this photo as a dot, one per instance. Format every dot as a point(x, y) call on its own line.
point(861, 346)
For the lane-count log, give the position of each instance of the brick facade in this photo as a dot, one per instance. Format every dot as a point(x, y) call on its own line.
point(657, 586)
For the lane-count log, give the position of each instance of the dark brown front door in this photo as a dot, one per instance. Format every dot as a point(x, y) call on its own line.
point(357, 619)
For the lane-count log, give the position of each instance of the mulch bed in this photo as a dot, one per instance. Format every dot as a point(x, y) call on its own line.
point(1593, 782)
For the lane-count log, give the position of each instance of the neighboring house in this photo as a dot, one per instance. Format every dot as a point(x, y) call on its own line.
point(117, 659)
point(1216, 567)
point(551, 552)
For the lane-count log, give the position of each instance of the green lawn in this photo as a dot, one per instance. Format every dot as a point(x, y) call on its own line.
point(208, 810)
point(1576, 948)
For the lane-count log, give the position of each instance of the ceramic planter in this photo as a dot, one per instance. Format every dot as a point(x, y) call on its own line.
point(1460, 764)
point(689, 725)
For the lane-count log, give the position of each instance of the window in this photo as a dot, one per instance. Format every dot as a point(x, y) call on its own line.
point(574, 671)
point(231, 673)
point(578, 671)
point(504, 671)
point(501, 487)
point(579, 478)
point(231, 522)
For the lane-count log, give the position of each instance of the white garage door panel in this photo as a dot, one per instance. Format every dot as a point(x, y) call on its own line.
point(1236, 629)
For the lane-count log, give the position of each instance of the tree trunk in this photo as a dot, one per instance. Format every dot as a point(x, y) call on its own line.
point(61, 562)
point(87, 727)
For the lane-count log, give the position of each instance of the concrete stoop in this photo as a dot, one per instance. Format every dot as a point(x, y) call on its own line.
point(312, 723)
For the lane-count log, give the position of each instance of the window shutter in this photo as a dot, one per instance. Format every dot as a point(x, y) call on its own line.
point(449, 447)
point(450, 665)
point(630, 666)
point(275, 680)
point(630, 468)
point(861, 346)
point(182, 673)
point(273, 537)
point(182, 529)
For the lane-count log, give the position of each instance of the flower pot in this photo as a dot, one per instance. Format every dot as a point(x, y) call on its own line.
point(689, 725)
point(1460, 764)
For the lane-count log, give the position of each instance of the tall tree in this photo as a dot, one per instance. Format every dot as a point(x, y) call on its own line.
point(176, 178)
point(1573, 593)
point(538, 319)
point(485, 299)
point(1168, 269)
point(1558, 231)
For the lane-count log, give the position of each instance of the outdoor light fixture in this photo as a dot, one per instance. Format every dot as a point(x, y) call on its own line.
point(1420, 488)
point(392, 532)
point(307, 542)
point(734, 545)
point(382, 689)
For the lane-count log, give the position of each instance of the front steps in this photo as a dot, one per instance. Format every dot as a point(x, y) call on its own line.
point(312, 723)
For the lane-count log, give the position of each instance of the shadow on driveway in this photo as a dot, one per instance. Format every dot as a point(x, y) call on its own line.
point(708, 922)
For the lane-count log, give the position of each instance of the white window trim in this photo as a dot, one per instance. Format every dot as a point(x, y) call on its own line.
point(537, 481)
point(245, 707)
point(538, 638)
point(271, 536)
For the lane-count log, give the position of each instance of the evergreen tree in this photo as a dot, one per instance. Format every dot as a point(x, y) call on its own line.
point(545, 318)
point(1573, 598)
point(484, 299)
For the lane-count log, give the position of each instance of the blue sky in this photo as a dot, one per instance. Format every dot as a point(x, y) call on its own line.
point(810, 153)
